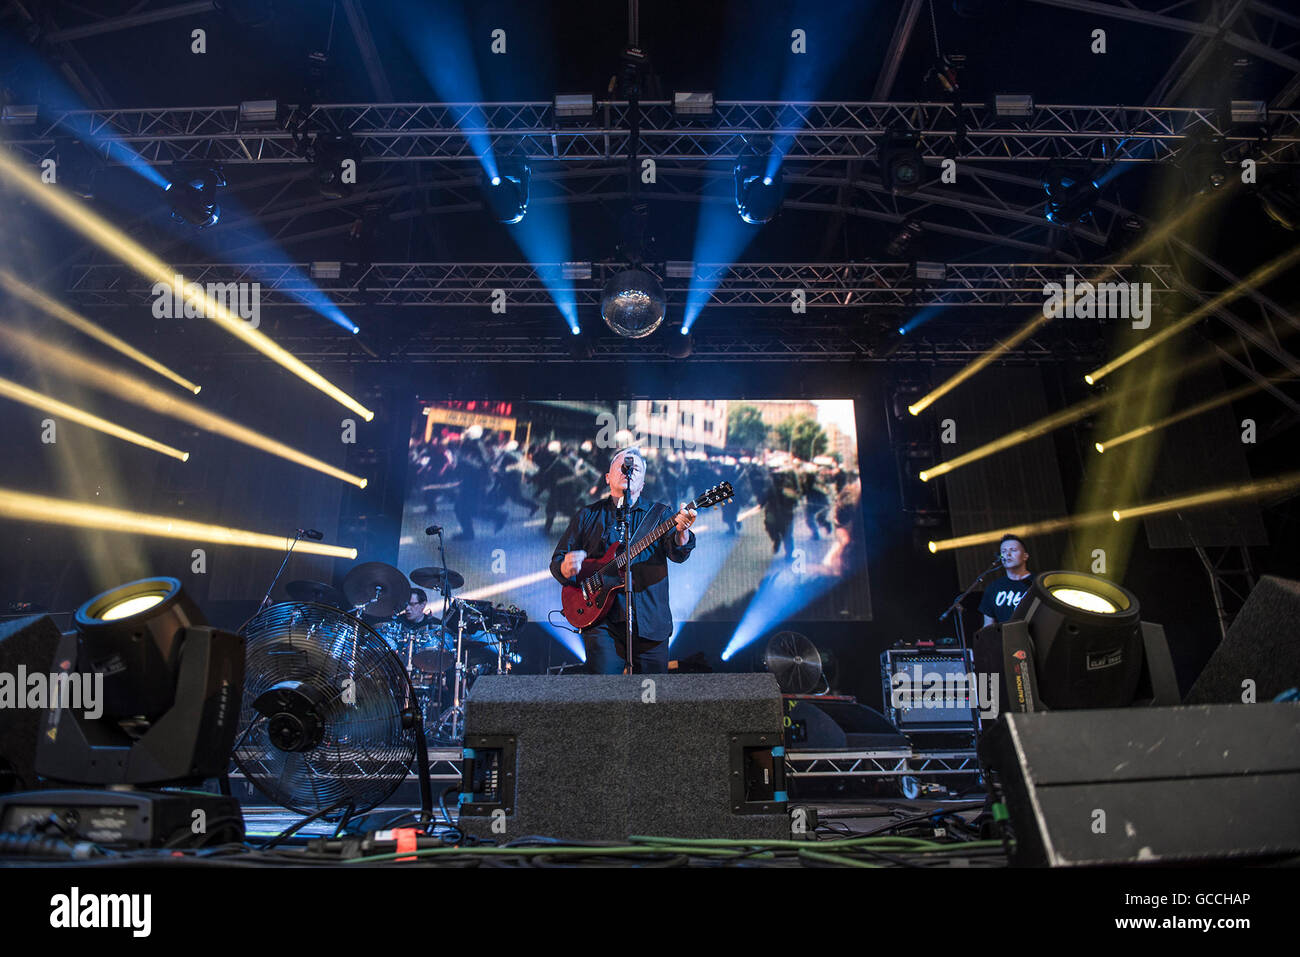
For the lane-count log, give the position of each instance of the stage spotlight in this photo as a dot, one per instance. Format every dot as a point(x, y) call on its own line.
point(758, 192)
point(901, 166)
point(1071, 191)
point(905, 237)
point(1013, 104)
point(633, 303)
point(507, 192)
point(143, 703)
point(78, 165)
point(15, 114)
point(574, 106)
point(692, 104)
point(333, 152)
point(170, 691)
point(679, 343)
point(259, 115)
point(1202, 163)
point(194, 198)
point(1078, 641)
point(580, 347)
point(1279, 194)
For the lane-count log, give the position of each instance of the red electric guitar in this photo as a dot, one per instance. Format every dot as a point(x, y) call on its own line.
point(599, 578)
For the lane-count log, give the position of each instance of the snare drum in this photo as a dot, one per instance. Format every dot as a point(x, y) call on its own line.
point(392, 633)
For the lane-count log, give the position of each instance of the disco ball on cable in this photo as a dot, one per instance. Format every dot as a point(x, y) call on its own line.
point(633, 303)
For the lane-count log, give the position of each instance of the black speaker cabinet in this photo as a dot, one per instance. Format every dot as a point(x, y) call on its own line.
point(1262, 647)
point(604, 757)
point(27, 647)
point(1150, 785)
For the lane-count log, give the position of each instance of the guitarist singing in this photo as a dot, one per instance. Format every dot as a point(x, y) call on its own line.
point(590, 534)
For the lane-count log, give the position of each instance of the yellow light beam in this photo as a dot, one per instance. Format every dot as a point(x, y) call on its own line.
point(1048, 424)
point(1040, 319)
point(1188, 413)
point(1229, 493)
point(1035, 528)
point(45, 403)
point(961, 375)
point(113, 240)
point(1064, 417)
point(133, 390)
point(61, 312)
point(25, 507)
point(1256, 278)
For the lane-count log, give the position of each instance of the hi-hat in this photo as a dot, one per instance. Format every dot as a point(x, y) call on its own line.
point(318, 592)
point(431, 576)
point(380, 587)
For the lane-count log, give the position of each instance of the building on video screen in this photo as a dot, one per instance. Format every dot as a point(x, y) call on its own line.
point(503, 479)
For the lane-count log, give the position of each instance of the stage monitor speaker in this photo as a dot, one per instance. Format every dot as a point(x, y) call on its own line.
point(1149, 785)
point(834, 723)
point(604, 757)
point(1262, 647)
point(28, 644)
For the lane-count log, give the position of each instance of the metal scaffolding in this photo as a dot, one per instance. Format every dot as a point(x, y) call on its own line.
point(772, 285)
point(419, 132)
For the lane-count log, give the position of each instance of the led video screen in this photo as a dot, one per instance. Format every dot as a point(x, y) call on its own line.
point(503, 479)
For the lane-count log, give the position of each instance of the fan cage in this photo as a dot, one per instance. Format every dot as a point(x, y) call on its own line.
point(367, 748)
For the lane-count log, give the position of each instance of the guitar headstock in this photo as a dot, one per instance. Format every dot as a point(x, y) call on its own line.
point(720, 493)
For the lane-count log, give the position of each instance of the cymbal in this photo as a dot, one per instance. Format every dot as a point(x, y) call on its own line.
point(431, 577)
point(362, 582)
point(318, 592)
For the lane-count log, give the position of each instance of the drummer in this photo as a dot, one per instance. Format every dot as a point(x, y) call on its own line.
point(417, 609)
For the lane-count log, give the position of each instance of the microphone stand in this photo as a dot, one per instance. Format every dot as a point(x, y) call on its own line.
point(266, 599)
point(625, 536)
point(956, 607)
point(442, 626)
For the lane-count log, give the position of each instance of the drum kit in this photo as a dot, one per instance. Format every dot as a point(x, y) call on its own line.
point(442, 655)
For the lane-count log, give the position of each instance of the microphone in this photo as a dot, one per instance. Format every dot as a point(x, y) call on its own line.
point(629, 465)
point(433, 530)
point(311, 533)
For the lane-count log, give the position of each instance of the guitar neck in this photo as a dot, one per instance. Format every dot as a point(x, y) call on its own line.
point(647, 540)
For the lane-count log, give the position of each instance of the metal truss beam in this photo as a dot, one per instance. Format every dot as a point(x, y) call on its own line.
point(143, 18)
point(1194, 57)
point(878, 764)
point(825, 186)
point(897, 47)
point(546, 340)
point(815, 130)
point(1158, 18)
point(824, 285)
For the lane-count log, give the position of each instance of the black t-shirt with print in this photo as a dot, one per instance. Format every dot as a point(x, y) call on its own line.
point(1002, 597)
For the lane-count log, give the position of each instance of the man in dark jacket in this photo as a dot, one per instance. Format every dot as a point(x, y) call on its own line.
point(589, 535)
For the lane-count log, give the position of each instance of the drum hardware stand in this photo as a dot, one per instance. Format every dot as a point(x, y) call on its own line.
point(456, 713)
point(444, 587)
